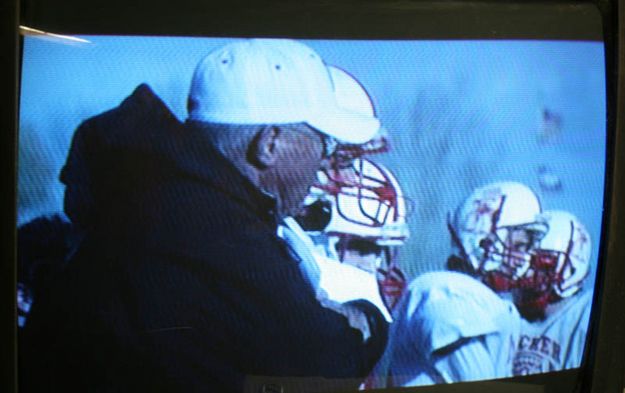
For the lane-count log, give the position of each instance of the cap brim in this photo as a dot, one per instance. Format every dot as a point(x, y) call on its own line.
point(345, 126)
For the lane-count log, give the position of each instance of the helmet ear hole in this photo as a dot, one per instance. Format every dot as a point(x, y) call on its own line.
point(316, 216)
point(486, 243)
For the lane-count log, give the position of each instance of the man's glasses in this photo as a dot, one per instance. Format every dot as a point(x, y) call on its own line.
point(330, 145)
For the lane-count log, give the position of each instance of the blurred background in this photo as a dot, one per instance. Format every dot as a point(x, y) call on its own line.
point(460, 114)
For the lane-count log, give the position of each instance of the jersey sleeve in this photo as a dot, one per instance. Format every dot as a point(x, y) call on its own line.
point(445, 307)
point(450, 327)
point(470, 360)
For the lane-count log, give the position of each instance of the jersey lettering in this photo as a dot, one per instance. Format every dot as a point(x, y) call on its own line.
point(536, 354)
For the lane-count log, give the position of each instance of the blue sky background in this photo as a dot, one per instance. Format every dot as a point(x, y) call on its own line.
point(460, 114)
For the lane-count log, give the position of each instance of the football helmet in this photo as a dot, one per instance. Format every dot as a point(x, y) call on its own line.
point(367, 216)
point(495, 230)
point(367, 202)
point(351, 95)
point(559, 265)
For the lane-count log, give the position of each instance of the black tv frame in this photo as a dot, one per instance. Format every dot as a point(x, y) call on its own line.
point(604, 367)
point(9, 45)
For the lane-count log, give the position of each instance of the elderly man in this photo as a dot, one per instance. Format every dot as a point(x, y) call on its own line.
point(181, 284)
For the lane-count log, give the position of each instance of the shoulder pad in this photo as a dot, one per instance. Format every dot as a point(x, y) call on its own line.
point(441, 308)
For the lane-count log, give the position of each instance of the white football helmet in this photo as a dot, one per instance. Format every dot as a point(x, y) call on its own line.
point(365, 211)
point(351, 95)
point(367, 202)
point(560, 264)
point(495, 230)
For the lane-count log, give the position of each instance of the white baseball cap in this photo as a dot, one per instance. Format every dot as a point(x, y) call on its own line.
point(274, 81)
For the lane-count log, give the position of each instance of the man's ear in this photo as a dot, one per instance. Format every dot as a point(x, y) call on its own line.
point(264, 147)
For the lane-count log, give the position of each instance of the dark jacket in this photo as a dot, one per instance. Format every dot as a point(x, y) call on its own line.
point(180, 283)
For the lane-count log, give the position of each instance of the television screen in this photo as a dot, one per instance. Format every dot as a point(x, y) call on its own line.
point(470, 124)
point(309, 212)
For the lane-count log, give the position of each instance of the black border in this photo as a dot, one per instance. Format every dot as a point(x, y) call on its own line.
point(8, 152)
point(604, 370)
point(485, 19)
point(605, 367)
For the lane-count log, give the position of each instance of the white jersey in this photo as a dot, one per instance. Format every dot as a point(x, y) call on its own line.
point(448, 328)
point(330, 278)
point(556, 343)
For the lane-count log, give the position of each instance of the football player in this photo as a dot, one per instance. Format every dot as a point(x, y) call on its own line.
point(333, 281)
point(551, 298)
point(365, 222)
point(357, 215)
point(453, 326)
